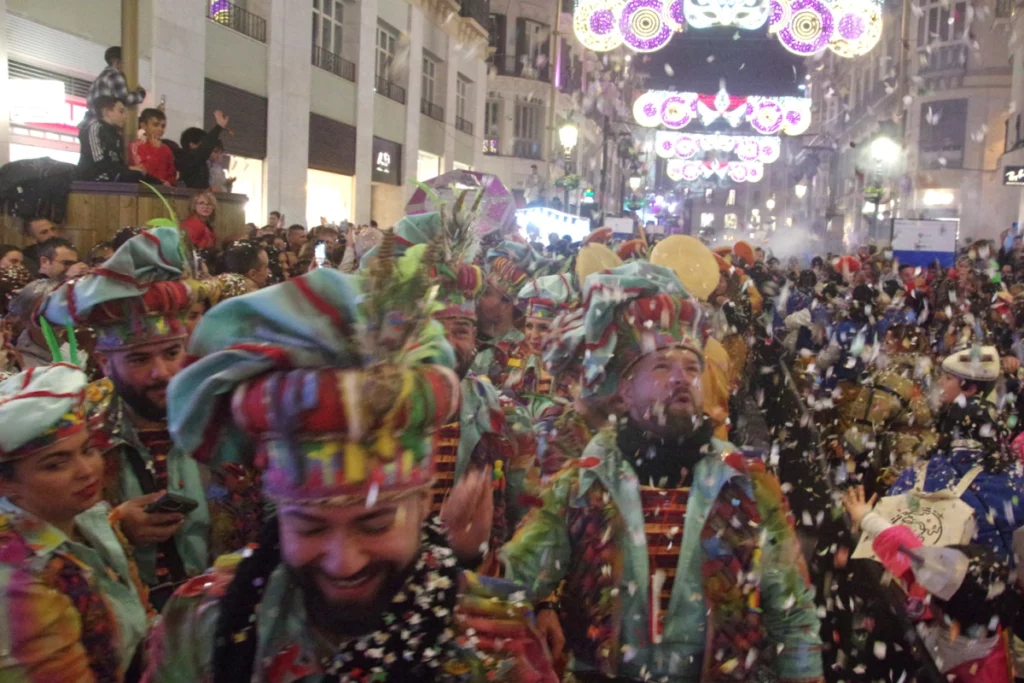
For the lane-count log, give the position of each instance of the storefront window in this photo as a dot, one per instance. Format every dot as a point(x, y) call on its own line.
point(248, 175)
point(427, 166)
point(328, 195)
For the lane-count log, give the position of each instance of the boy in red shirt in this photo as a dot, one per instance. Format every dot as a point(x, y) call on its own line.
point(151, 154)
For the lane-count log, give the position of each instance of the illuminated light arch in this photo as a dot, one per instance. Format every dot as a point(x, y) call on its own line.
point(595, 23)
point(643, 26)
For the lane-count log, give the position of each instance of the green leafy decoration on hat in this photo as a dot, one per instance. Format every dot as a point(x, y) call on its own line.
point(185, 245)
point(458, 241)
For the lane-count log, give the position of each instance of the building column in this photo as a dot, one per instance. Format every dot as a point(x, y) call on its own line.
point(365, 82)
point(5, 100)
point(480, 111)
point(451, 67)
point(414, 93)
point(179, 62)
point(288, 82)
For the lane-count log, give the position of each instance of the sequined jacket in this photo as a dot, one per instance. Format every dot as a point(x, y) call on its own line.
point(740, 590)
point(494, 628)
point(115, 434)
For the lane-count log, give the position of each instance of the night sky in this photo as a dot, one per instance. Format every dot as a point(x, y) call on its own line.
point(754, 64)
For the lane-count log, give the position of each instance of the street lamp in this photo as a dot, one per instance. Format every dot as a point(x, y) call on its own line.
point(801, 190)
point(568, 135)
point(770, 204)
point(635, 182)
point(885, 149)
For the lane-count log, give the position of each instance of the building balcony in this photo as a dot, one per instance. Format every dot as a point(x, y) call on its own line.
point(520, 66)
point(477, 10)
point(522, 148)
point(390, 90)
point(428, 108)
point(238, 19)
point(465, 126)
point(942, 58)
point(328, 61)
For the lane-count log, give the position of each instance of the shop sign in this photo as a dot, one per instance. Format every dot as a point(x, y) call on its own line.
point(387, 161)
point(1013, 175)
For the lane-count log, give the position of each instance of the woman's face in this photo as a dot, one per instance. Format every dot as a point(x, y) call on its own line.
point(204, 207)
point(59, 482)
point(535, 330)
point(286, 270)
point(12, 258)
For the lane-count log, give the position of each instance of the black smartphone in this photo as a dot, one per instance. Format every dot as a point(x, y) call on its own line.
point(172, 502)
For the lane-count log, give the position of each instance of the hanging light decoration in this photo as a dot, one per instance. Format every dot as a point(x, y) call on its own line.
point(766, 115)
point(858, 27)
point(643, 25)
point(745, 14)
point(669, 145)
point(595, 23)
point(738, 171)
point(850, 28)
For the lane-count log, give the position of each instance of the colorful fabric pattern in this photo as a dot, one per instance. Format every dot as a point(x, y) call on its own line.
point(445, 623)
point(39, 407)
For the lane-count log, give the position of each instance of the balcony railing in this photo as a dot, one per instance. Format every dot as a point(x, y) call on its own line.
point(521, 67)
point(951, 57)
point(238, 19)
point(464, 125)
point(390, 90)
point(526, 149)
point(1004, 9)
point(328, 61)
point(430, 109)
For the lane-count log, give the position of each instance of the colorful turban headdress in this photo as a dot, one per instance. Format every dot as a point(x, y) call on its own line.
point(39, 408)
point(334, 383)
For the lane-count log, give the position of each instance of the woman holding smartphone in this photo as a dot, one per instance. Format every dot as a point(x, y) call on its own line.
point(71, 606)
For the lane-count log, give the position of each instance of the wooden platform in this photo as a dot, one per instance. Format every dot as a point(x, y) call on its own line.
point(96, 211)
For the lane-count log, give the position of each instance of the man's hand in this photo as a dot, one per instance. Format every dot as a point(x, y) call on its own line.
point(1010, 364)
point(468, 512)
point(551, 630)
point(221, 119)
point(80, 268)
point(146, 528)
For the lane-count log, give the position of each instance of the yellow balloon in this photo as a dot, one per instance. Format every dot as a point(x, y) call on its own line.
point(692, 262)
point(594, 258)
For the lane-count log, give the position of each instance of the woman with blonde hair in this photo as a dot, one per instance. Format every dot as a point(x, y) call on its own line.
point(202, 213)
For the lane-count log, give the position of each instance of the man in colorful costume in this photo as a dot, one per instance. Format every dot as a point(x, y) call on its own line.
point(542, 299)
point(490, 431)
point(348, 583)
point(137, 302)
point(663, 581)
point(509, 266)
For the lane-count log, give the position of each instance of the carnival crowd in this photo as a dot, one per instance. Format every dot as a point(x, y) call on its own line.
point(446, 452)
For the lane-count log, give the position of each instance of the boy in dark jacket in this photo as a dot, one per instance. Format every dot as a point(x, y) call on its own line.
point(102, 141)
point(196, 147)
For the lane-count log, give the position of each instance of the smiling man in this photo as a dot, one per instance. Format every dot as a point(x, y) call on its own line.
point(672, 555)
point(335, 387)
point(141, 330)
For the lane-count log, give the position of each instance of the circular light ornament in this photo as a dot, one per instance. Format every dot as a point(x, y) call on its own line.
point(755, 172)
point(643, 26)
point(858, 28)
point(596, 24)
point(778, 15)
point(672, 13)
point(647, 109)
point(665, 147)
point(766, 116)
point(691, 171)
point(674, 169)
point(748, 149)
point(809, 29)
point(686, 147)
point(738, 172)
point(797, 120)
point(677, 111)
point(771, 150)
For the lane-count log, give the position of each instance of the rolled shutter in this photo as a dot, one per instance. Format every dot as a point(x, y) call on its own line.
point(332, 145)
point(248, 113)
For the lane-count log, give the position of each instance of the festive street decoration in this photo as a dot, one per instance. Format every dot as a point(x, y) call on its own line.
point(762, 149)
point(643, 25)
point(850, 28)
point(596, 24)
point(737, 171)
point(745, 14)
point(766, 115)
